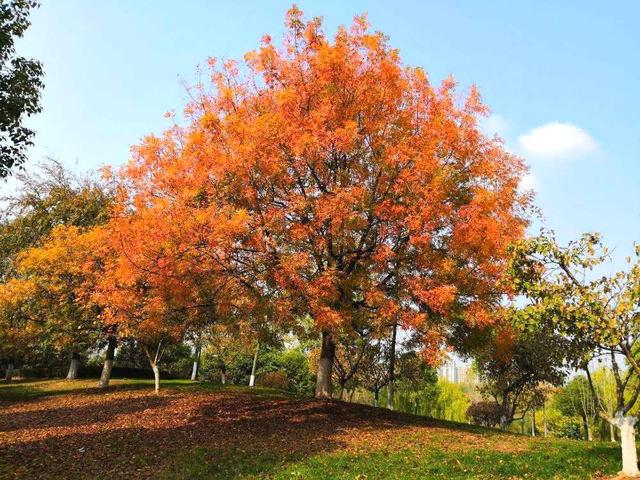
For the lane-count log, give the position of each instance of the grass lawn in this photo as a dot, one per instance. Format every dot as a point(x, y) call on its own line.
point(70, 429)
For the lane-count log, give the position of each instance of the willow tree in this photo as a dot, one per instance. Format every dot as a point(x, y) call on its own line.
point(598, 314)
point(357, 189)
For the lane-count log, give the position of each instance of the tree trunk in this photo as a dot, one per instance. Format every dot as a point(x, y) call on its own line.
point(324, 388)
point(392, 366)
point(196, 365)
point(108, 362)
point(587, 428)
point(376, 396)
point(533, 423)
point(341, 396)
point(156, 376)
point(544, 418)
point(9, 373)
point(223, 377)
point(72, 374)
point(626, 424)
point(612, 433)
point(252, 378)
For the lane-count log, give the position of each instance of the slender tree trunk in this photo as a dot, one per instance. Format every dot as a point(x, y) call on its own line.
point(108, 362)
point(544, 418)
point(392, 367)
point(612, 433)
point(9, 373)
point(351, 394)
point(196, 364)
point(626, 424)
point(156, 376)
point(533, 423)
point(341, 396)
point(587, 429)
point(252, 378)
point(223, 376)
point(324, 388)
point(376, 396)
point(72, 374)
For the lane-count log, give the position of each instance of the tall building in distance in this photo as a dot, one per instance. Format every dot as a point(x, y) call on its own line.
point(456, 371)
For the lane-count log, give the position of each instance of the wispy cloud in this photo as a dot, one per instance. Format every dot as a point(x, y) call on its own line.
point(556, 141)
point(528, 183)
point(494, 124)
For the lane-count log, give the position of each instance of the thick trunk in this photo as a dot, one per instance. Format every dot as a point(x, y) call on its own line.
point(9, 373)
point(196, 365)
point(108, 363)
point(156, 376)
point(72, 374)
point(626, 424)
point(324, 388)
point(252, 378)
point(392, 366)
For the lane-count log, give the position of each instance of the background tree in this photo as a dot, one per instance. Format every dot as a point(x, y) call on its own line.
point(597, 314)
point(374, 372)
point(60, 306)
point(514, 365)
point(20, 85)
point(576, 399)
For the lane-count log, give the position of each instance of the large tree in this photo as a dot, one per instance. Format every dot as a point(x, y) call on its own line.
point(355, 189)
point(597, 313)
point(20, 85)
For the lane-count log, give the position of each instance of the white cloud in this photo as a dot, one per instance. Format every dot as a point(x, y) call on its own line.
point(555, 140)
point(494, 124)
point(528, 182)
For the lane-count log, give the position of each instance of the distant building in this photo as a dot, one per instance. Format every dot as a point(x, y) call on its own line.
point(455, 371)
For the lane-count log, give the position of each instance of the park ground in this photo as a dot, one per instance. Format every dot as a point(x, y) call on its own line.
point(70, 429)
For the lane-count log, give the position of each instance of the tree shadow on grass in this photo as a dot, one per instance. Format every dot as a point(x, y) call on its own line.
point(69, 416)
point(200, 434)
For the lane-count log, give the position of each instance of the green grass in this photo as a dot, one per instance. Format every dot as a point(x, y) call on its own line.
point(545, 460)
point(227, 436)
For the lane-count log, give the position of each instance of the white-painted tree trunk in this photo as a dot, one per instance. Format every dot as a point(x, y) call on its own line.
point(612, 433)
point(72, 374)
point(196, 365)
point(106, 373)
point(252, 378)
point(109, 357)
point(223, 378)
point(533, 423)
point(375, 399)
point(9, 373)
point(156, 376)
point(626, 424)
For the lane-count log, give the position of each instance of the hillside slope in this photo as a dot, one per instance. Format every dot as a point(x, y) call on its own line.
point(61, 429)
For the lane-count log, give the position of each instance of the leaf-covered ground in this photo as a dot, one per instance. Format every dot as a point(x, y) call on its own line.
point(62, 429)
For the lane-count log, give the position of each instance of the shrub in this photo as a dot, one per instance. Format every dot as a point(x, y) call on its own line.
point(278, 379)
point(485, 413)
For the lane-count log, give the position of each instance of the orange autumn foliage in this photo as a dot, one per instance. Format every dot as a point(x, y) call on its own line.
point(324, 177)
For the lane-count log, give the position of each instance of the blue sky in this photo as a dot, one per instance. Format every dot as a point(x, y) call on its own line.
point(560, 77)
